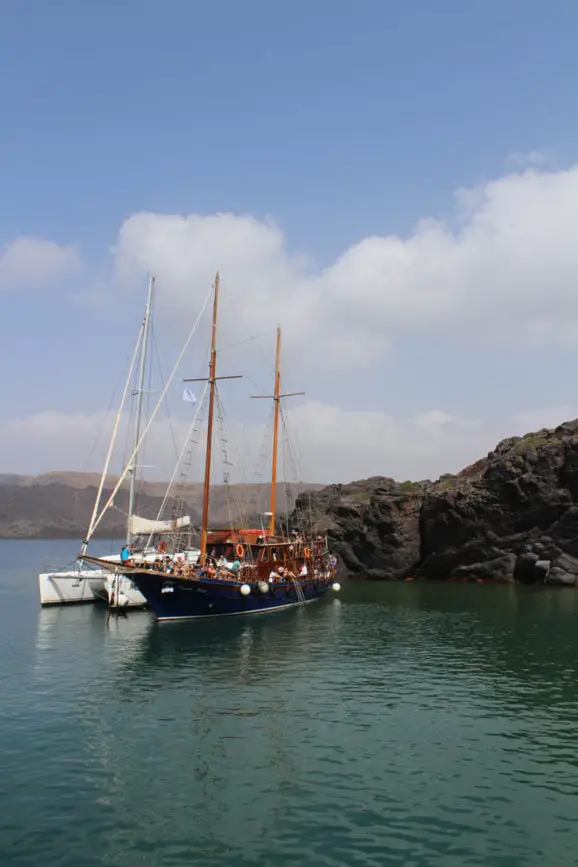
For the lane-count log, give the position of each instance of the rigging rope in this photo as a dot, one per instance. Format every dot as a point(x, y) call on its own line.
point(234, 500)
point(293, 460)
point(167, 407)
point(106, 415)
point(180, 457)
point(150, 421)
point(93, 520)
point(179, 497)
point(226, 463)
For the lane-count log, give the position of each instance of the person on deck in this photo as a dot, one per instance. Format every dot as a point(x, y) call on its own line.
point(125, 555)
point(235, 565)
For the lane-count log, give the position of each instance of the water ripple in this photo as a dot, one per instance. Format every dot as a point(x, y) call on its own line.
point(403, 725)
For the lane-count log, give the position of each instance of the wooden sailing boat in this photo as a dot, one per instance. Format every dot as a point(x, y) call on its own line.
point(239, 570)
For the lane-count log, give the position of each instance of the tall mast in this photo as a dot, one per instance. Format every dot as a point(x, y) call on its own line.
point(276, 400)
point(212, 381)
point(276, 397)
point(140, 393)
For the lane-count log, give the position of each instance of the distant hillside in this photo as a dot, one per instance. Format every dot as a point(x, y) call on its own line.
point(59, 504)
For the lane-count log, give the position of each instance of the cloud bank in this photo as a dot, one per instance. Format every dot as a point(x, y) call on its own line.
point(326, 444)
point(501, 270)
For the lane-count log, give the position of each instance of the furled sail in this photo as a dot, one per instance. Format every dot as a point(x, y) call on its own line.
point(146, 527)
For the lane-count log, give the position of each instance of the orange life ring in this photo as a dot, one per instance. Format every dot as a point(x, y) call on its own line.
point(239, 550)
point(306, 552)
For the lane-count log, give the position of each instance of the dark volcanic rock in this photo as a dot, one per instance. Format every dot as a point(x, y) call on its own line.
point(511, 516)
point(373, 524)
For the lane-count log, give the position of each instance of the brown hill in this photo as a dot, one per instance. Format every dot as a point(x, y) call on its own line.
point(59, 504)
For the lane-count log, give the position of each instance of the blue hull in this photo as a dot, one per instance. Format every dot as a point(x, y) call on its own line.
point(179, 599)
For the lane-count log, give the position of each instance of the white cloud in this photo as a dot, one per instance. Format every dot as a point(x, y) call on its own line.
point(341, 445)
point(504, 270)
point(529, 159)
point(331, 444)
point(54, 440)
point(33, 262)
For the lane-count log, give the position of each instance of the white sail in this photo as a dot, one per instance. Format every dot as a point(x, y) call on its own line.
point(145, 526)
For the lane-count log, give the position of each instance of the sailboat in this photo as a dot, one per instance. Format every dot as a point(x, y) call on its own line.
point(120, 591)
point(99, 583)
point(141, 533)
point(238, 571)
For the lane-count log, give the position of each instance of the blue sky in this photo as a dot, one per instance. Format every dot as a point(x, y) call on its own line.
point(337, 120)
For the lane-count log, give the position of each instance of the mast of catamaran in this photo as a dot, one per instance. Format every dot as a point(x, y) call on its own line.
point(97, 516)
point(140, 393)
point(276, 397)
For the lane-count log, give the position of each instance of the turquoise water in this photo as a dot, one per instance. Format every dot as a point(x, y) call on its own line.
point(403, 724)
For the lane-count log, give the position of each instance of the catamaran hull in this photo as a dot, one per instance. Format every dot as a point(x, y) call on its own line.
point(74, 587)
point(187, 600)
point(122, 593)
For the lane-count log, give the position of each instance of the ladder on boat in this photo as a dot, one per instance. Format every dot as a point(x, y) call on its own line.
point(299, 591)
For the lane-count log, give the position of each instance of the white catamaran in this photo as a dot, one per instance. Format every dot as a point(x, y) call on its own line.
point(82, 584)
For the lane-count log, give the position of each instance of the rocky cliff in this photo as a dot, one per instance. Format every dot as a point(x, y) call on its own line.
point(511, 516)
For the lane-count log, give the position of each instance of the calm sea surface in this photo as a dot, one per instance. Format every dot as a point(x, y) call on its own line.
point(403, 724)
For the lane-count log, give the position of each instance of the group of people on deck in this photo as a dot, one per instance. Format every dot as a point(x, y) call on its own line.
point(281, 573)
point(224, 569)
point(220, 567)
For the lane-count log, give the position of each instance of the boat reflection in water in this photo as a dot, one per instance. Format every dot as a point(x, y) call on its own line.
point(180, 723)
point(220, 652)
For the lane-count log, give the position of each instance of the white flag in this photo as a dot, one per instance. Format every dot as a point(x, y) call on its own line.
point(189, 396)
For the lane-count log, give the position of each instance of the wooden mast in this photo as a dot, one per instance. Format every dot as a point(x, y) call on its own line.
point(276, 399)
point(212, 381)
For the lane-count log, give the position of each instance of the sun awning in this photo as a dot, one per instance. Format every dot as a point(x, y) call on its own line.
point(147, 527)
